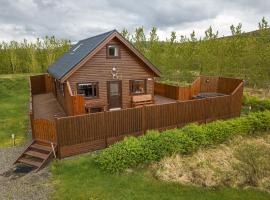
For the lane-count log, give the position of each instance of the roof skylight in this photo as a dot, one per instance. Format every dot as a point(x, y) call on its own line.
point(77, 47)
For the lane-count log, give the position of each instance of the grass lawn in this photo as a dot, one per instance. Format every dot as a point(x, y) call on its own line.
point(80, 178)
point(13, 108)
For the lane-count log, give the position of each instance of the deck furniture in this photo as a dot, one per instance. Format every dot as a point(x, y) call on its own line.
point(142, 100)
point(93, 108)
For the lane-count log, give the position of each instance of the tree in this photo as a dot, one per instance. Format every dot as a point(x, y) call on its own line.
point(193, 37)
point(173, 37)
point(183, 39)
point(139, 39)
point(125, 34)
point(153, 35)
point(263, 24)
point(236, 30)
point(209, 34)
point(154, 47)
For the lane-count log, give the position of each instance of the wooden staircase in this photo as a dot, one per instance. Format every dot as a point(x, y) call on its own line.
point(37, 154)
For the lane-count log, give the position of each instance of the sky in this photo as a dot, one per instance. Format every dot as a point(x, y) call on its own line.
point(79, 19)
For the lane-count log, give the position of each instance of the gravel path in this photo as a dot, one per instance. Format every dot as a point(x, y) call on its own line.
point(21, 186)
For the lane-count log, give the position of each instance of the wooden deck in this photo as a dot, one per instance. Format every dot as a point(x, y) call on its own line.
point(47, 107)
point(163, 100)
point(81, 133)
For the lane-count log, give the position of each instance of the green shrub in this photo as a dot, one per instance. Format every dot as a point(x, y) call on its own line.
point(198, 134)
point(259, 121)
point(176, 141)
point(257, 104)
point(154, 145)
point(217, 132)
point(124, 154)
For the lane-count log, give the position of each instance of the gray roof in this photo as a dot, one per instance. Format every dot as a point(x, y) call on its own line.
point(76, 54)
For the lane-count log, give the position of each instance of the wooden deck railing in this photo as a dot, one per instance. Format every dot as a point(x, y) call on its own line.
point(78, 134)
point(41, 84)
point(75, 104)
point(201, 84)
point(42, 129)
point(86, 132)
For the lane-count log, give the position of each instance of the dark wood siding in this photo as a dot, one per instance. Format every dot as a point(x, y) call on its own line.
point(99, 68)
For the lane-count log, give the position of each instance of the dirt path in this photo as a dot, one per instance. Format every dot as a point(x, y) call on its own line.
point(21, 186)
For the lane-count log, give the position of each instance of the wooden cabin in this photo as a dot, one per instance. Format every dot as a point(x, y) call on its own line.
point(108, 71)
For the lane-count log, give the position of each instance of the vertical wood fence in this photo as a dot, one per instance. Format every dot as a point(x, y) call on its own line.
point(87, 132)
point(78, 134)
point(41, 84)
point(42, 129)
point(201, 84)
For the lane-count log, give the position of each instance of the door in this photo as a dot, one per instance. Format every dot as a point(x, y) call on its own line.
point(114, 94)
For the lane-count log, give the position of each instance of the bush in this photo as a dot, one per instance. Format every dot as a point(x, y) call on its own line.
point(257, 104)
point(253, 162)
point(154, 145)
point(124, 154)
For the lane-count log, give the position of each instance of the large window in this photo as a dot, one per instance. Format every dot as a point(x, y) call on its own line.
point(112, 51)
point(138, 87)
point(89, 89)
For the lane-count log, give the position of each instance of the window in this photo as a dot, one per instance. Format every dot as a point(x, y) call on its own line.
point(112, 51)
point(138, 87)
point(114, 89)
point(89, 90)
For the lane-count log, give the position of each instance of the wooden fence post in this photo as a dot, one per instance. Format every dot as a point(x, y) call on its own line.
point(143, 120)
point(58, 138)
point(31, 118)
point(105, 128)
point(207, 111)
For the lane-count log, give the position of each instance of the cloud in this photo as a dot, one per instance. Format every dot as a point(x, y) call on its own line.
point(78, 19)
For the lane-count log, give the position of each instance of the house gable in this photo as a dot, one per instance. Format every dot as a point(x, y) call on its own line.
point(62, 73)
point(99, 69)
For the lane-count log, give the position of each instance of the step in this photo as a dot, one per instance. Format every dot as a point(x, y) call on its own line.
point(36, 154)
point(43, 142)
point(30, 162)
point(41, 147)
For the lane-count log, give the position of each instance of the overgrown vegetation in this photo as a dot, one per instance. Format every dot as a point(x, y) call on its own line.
point(253, 103)
point(240, 162)
point(80, 178)
point(253, 165)
point(14, 95)
point(154, 145)
point(180, 58)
